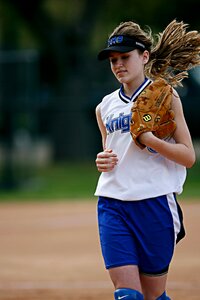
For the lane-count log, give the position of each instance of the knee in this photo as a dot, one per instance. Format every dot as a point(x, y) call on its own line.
point(128, 294)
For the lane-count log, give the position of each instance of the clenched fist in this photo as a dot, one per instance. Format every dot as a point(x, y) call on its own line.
point(106, 160)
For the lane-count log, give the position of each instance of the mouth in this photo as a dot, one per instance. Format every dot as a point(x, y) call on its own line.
point(120, 72)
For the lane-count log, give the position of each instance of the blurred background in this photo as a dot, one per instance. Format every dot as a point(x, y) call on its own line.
point(51, 82)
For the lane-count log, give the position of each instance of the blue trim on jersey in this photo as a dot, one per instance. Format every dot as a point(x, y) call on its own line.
point(127, 99)
point(138, 233)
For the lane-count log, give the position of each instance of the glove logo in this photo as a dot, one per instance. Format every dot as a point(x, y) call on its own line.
point(157, 119)
point(147, 118)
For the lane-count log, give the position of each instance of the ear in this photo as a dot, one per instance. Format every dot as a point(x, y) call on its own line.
point(145, 57)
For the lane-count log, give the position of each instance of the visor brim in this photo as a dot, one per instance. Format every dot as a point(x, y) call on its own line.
point(105, 53)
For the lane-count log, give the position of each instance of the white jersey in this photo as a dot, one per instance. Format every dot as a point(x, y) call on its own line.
point(139, 174)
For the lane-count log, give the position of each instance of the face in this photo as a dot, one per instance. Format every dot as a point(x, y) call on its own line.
point(128, 67)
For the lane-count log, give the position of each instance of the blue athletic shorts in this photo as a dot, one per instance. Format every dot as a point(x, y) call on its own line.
point(142, 233)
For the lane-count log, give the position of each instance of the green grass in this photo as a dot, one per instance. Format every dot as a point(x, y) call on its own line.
point(192, 184)
point(59, 181)
point(67, 180)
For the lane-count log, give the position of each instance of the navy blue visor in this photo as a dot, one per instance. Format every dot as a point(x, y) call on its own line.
point(121, 43)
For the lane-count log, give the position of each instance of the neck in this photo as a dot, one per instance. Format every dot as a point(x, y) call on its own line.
point(130, 88)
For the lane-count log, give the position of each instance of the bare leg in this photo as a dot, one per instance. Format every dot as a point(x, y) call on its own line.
point(129, 277)
point(153, 287)
point(126, 277)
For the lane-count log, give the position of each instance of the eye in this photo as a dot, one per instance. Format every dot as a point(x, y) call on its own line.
point(125, 56)
point(113, 60)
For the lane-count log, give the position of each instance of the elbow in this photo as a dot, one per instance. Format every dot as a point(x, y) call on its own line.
point(191, 161)
point(190, 165)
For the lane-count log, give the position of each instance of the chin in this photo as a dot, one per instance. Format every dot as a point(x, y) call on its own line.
point(122, 80)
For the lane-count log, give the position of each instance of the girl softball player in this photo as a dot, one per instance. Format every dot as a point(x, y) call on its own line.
point(139, 218)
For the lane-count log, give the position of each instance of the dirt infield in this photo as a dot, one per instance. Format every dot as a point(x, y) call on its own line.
point(50, 251)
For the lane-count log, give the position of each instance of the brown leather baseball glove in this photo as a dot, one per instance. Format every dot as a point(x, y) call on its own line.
point(152, 112)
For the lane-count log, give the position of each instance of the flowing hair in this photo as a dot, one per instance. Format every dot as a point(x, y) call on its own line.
point(173, 52)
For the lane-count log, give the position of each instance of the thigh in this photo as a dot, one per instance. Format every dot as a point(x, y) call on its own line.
point(117, 241)
point(153, 224)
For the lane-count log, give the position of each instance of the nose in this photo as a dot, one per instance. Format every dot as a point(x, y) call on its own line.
point(118, 63)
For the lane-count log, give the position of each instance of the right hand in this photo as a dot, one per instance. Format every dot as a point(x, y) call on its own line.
point(106, 160)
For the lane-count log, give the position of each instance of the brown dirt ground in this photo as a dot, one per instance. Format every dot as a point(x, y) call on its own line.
point(50, 251)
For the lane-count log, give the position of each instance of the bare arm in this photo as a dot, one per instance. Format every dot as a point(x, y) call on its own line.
point(101, 125)
point(182, 152)
point(106, 160)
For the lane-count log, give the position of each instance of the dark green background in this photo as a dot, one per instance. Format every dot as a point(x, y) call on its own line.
point(51, 82)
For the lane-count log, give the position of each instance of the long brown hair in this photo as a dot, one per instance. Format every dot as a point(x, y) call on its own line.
point(172, 52)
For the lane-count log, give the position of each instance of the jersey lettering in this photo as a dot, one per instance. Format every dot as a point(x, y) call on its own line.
point(119, 123)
